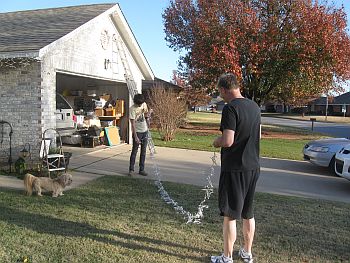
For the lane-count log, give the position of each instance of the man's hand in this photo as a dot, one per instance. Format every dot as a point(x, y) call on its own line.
point(148, 117)
point(137, 140)
point(217, 142)
point(226, 140)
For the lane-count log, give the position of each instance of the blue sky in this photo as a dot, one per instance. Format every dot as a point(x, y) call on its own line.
point(145, 20)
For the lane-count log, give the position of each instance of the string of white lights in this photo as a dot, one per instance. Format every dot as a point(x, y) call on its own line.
point(208, 190)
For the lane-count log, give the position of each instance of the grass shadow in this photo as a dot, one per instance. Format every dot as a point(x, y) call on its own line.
point(60, 227)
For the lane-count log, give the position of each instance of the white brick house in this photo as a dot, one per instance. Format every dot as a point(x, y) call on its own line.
point(63, 48)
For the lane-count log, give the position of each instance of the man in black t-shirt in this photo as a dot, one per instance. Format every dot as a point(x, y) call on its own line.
point(240, 167)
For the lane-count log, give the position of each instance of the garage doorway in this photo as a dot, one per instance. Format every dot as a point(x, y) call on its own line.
point(88, 98)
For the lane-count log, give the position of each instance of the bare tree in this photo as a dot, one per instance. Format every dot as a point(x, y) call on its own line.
point(169, 111)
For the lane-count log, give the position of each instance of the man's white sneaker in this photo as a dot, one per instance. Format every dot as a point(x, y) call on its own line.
point(220, 259)
point(245, 256)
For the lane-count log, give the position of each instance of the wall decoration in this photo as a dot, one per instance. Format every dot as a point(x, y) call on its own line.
point(104, 38)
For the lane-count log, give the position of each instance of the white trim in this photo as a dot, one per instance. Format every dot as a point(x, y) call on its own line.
point(87, 76)
point(123, 28)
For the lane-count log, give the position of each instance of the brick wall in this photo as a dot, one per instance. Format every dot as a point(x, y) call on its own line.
point(20, 105)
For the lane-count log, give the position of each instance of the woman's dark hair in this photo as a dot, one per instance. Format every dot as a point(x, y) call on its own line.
point(139, 99)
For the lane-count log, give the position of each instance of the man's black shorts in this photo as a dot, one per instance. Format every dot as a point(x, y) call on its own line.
point(236, 193)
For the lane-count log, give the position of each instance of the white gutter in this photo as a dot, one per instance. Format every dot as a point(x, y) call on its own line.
point(124, 30)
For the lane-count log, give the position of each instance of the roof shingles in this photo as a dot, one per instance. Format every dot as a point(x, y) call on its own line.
point(35, 29)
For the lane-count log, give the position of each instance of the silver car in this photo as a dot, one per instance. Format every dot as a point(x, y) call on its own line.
point(322, 152)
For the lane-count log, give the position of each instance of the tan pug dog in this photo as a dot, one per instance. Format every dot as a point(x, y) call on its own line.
point(39, 184)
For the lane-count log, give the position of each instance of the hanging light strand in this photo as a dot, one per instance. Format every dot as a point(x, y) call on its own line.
point(208, 190)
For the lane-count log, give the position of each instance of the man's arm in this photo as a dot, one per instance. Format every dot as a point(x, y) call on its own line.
point(147, 117)
point(133, 130)
point(225, 140)
point(147, 114)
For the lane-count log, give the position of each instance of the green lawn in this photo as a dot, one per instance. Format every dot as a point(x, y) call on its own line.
point(270, 147)
point(282, 148)
point(292, 149)
point(120, 219)
point(187, 140)
point(203, 117)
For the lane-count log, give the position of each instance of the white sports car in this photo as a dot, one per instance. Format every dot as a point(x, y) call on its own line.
point(342, 162)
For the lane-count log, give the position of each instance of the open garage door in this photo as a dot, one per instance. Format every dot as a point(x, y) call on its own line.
point(95, 103)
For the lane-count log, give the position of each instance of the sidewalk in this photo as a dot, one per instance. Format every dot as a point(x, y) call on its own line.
point(176, 165)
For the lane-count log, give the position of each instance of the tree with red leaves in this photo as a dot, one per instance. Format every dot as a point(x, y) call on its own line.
point(289, 49)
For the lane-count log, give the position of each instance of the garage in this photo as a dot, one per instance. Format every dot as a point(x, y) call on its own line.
point(92, 102)
point(92, 61)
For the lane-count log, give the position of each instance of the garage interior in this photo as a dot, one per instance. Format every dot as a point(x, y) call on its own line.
point(98, 114)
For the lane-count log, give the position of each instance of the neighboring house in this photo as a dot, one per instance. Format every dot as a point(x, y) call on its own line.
point(61, 50)
point(147, 85)
point(218, 103)
point(339, 105)
point(275, 106)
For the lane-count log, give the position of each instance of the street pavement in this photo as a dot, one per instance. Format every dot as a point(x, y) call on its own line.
point(284, 177)
point(339, 130)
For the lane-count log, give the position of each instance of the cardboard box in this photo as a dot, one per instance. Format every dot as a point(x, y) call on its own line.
point(110, 112)
point(99, 111)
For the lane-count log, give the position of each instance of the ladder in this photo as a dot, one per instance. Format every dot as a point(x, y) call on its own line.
point(53, 161)
point(130, 82)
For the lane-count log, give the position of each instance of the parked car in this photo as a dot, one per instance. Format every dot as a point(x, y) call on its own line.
point(322, 152)
point(342, 162)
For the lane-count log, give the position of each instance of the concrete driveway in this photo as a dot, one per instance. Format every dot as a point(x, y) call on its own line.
point(286, 177)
